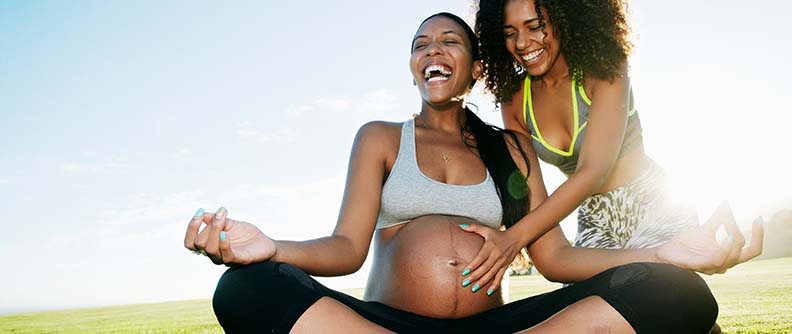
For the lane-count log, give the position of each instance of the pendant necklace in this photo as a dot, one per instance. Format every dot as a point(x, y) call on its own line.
point(446, 156)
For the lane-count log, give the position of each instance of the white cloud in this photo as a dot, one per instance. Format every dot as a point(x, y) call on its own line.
point(376, 102)
point(299, 110)
point(75, 167)
point(334, 103)
point(250, 132)
point(111, 164)
point(183, 154)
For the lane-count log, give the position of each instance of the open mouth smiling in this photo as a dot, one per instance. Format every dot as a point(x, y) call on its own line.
point(437, 72)
point(532, 57)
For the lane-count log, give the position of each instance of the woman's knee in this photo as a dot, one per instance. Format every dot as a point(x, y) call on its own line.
point(259, 294)
point(667, 294)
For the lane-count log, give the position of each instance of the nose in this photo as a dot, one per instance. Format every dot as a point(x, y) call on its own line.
point(433, 49)
point(522, 42)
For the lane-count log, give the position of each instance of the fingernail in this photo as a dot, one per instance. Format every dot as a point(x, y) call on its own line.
point(730, 239)
point(221, 212)
point(759, 220)
point(465, 283)
point(464, 225)
point(222, 235)
point(490, 292)
point(476, 287)
point(466, 272)
point(199, 212)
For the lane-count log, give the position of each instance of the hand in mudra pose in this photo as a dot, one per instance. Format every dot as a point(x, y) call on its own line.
point(700, 250)
point(227, 241)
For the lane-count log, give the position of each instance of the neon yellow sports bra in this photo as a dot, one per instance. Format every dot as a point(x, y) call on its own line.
point(567, 160)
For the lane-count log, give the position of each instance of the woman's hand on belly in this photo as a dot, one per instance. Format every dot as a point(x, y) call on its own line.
point(498, 251)
point(418, 268)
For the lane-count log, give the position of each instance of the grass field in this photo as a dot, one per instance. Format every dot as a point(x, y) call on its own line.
point(754, 298)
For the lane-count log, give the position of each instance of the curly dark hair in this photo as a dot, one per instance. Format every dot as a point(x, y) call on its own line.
point(594, 36)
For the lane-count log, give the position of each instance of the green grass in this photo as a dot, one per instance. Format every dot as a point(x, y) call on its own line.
point(754, 298)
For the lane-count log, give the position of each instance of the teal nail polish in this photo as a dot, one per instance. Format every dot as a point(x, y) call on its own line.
point(466, 272)
point(476, 287)
point(464, 225)
point(221, 212)
point(490, 292)
point(199, 213)
point(730, 239)
point(222, 235)
point(760, 220)
point(465, 283)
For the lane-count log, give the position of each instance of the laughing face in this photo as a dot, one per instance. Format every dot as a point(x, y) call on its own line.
point(530, 41)
point(441, 63)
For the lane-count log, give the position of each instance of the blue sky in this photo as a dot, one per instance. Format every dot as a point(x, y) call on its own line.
point(119, 119)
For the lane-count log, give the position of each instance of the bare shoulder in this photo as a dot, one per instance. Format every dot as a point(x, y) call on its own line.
point(379, 132)
point(593, 85)
point(378, 138)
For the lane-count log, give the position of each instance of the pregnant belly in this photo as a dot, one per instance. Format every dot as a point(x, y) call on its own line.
point(418, 268)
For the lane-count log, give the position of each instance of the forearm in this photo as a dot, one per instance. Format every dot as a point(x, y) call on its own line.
point(560, 204)
point(574, 264)
point(327, 256)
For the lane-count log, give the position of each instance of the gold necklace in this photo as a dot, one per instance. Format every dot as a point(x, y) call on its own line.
point(446, 156)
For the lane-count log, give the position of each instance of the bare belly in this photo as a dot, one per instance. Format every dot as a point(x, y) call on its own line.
point(626, 170)
point(418, 268)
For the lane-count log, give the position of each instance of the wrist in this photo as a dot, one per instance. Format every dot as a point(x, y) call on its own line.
point(519, 236)
point(276, 254)
point(654, 255)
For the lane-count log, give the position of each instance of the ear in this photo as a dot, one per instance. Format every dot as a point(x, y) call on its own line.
point(478, 69)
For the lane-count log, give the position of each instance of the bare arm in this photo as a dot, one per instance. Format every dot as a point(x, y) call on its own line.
point(698, 250)
point(345, 250)
point(605, 133)
point(233, 242)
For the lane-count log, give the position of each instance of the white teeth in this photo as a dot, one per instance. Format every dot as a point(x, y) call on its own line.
point(437, 79)
point(533, 55)
point(436, 68)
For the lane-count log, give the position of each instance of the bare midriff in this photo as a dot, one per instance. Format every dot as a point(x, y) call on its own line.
point(626, 169)
point(418, 268)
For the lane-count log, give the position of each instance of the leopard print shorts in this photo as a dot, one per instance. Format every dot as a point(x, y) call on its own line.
point(636, 215)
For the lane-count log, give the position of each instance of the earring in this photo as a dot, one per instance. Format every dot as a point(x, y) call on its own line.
point(415, 83)
point(518, 68)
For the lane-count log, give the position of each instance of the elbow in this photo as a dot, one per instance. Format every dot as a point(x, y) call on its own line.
point(595, 175)
point(556, 265)
point(354, 255)
point(552, 277)
point(351, 266)
point(553, 274)
point(549, 270)
point(354, 263)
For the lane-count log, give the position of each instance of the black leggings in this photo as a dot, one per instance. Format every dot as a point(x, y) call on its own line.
point(269, 297)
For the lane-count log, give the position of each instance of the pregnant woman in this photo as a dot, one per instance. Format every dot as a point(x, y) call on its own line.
point(413, 188)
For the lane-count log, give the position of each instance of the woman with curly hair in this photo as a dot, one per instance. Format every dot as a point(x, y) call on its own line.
point(559, 72)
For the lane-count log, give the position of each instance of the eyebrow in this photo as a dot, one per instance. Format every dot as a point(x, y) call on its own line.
point(524, 22)
point(444, 33)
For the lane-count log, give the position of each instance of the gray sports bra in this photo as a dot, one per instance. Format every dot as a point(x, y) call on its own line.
point(408, 193)
point(567, 160)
